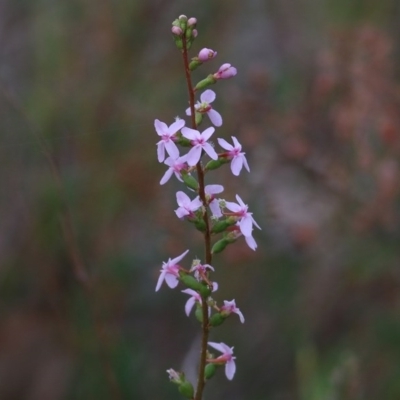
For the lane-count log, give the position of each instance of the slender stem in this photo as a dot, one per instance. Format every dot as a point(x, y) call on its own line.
point(207, 234)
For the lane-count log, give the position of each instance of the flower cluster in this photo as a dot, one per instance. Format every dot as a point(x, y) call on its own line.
point(189, 154)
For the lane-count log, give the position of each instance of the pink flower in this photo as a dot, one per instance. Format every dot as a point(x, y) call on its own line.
point(200, 269)
point(226, 358)
point(246, 220)
point(206, 54)
point(213, 203)
point(186, 207)
point(199, 143)
point(194, 297)
point(170, 272)
point(204, 106)
point(230, 307)
point(176, 165)
point(225, 71)
point(167, 135)
point(235, 154)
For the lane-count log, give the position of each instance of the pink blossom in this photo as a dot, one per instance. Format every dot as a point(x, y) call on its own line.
point(235, 154)
point(176, 30)
point(226, 358)
point(176, 165)
point(206, 54)
point(213, 203)
point(204, 106)
point(246, 220)
point(225, 71)
point(200, 269)
point(230, 307)
point(167, 138)
point(186, 207)
point(170, 272)
point(199, 143)
point(194, 297)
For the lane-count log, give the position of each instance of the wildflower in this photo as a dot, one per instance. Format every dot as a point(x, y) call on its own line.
point(225, 71)
point(186, 207)
point(230, 307)
point(226, 358)
point(235, 154)
point(200, 270)
point(175, 167)
point(246, 220)
point(167, 138)
point(206, 54)
point(204, 106)
point(214, 203)
point(199, 143)
point(170, 272)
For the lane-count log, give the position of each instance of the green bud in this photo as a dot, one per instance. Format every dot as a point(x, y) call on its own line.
point(200, 224)
point(210, 80)
point(199, 118)
point(199, 313)
point(217, 319)
point(178, 42)
point(205, 291)
point(219, 246)
point(181, 140)
point(191, 282)
point(189, 181)
point(189, 31)
point(214, 164)
point(194, 64)
point(183, 22)
point(209, 371)
point(186, 389)
point(221, 226)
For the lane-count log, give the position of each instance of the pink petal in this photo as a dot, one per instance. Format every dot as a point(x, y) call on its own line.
point(194, 155)
point(208, 96)
point(195, 204)
point(160, 279)
point(215, 117)
point(230, 369)
point(245, 164)
point(188, 111)
point(255, 223)
point(215, 208)
point(182, 199)
point(213, 189)
point(161, 127)
point(231, 206)
point(166, 176)
point(236, 165)
point(175, 260)
point(251, 242)
point(217, 346)
point(210, 151)
point(171, 148)
point(190, 133)
point(180, 123)
point(246, 226)
point(189, 305)
point(181, 212)
point(208, 133)
point(171, 281)
point(236, 143)
point(224, 144)
point(240, 201)
point(160, 151)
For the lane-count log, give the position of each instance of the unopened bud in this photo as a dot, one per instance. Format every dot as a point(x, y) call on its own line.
point(192, 21)
point(210, 80)
point(195, 33)
point(217, 319)
point(225, 71)
point(176, 30)
point(191, 282)
point(189, 180)
point(206, 54)
point(214, 164)
point(186, 389)
point(221, 226)
point(209, 371)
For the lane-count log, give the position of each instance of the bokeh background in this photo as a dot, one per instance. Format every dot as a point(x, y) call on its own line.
point(85, 225)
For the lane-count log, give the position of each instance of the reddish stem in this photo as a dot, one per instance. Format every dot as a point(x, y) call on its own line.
point(207, 234)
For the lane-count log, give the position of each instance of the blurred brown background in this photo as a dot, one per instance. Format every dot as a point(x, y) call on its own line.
point(316, 107)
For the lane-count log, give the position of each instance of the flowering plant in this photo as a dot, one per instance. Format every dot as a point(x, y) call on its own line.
point(212, 216)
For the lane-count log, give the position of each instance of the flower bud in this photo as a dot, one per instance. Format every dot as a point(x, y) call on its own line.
point(221, 244)
point(210, 80)
point(192, 22)
point(189, 180)
point(217, 319)
point(194, 33)
point(198, 118)
point(209, 371)
point(199, 313)
point(194, 64)
point(221, 226)
point(214, 164)
point(200, 224)
point(225, 71)
point(206, 55)
point(186, 389)
point(176, 30)
point(191, 282)
point(205, 291)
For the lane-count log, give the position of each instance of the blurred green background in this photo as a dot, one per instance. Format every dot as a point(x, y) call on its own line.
point(316, 106)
